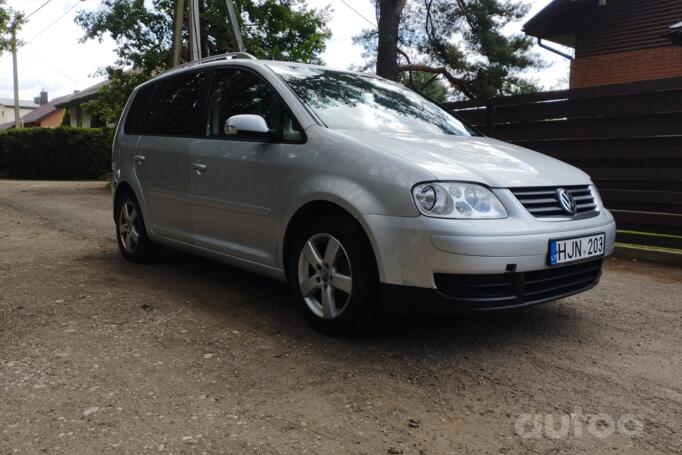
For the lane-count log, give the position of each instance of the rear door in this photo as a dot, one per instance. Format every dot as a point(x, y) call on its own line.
point(169, 120)
point(234, 185)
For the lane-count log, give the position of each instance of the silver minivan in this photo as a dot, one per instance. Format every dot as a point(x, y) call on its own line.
point(362, 194)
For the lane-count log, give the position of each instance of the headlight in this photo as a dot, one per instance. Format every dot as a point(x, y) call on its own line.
point(457, 200)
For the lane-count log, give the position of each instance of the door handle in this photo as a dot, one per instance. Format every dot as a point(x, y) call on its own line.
point(200, 168)
point(140, 158)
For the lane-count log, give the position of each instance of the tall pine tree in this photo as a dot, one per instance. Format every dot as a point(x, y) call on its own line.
point(465, 42)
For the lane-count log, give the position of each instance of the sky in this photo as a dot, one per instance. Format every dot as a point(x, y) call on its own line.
point(54, 59)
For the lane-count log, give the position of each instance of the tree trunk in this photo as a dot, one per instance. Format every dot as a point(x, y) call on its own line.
point(178, 20)
point(387, 52)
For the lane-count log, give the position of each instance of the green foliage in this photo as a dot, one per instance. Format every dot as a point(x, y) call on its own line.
point(66, 120)
point(143, 31)
point(427, 84)
point(8, 16)
point(468, 38)
point(4, 27)
point(112, 97)
point(62, 153)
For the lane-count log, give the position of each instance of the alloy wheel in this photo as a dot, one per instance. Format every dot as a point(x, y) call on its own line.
point(127, 227)
point(325, 276)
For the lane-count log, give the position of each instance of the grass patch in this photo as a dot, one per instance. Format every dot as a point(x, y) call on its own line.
point(650, 234)
point(659, 249)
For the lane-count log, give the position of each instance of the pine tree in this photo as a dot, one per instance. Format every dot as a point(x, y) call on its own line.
point(464, 41)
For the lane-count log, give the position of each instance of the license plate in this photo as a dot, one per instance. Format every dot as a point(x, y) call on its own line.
point(576, 249)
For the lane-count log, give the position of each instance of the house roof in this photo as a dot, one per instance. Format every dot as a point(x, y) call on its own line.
point(81, 96)
point(37, 114)
point(43, 111)
point(9, 102)
point(556, 22)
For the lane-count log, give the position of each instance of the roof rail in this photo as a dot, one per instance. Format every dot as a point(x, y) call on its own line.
point(245, 55)
point(215, 58)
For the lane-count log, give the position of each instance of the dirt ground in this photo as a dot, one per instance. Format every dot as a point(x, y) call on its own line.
point(188, 356)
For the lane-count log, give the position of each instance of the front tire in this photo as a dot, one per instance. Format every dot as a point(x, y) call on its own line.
point(334, 275)
point(131, 233)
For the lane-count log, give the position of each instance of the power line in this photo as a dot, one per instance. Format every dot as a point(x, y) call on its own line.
point(45, 62)
point(358, 13)
point(37, 9)
point(54, 22)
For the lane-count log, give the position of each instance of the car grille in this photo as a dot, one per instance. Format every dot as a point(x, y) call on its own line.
point(543, 202)
point(519, 288)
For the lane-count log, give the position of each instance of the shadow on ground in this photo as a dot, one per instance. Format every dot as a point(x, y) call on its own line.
point(228, 292)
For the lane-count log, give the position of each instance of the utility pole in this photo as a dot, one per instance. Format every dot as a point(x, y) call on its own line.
point(194, 31)
point(177, 32)
point(234, 26)
point(17, 116)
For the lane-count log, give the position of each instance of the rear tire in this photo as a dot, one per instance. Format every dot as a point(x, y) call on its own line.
point(334, 275)
point(131, 233)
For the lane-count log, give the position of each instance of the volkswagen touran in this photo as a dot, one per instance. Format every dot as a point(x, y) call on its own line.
point(362, 194)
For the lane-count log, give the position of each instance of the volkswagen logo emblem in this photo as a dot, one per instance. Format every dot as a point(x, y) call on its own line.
point(567, 202)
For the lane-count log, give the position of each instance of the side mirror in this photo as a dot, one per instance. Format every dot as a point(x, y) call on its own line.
point(246, 123)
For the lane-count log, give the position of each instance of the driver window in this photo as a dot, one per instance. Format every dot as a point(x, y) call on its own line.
point(236, 92)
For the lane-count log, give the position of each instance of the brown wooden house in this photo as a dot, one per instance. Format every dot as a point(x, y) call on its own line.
point(615, 41)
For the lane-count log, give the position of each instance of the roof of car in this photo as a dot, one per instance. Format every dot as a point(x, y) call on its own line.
point(241, 58)
point(309, 65)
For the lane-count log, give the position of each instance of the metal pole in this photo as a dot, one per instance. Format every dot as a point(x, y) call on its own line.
point(17, 116)
point(177, 32)
point(234, 26)
point(194, 31)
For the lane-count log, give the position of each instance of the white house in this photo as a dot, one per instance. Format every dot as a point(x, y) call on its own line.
point(7, 109)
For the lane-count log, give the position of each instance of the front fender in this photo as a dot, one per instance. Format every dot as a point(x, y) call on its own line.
point(343, 193)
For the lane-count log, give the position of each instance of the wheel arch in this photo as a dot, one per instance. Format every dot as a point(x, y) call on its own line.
point(316, 208)
point(122, 189)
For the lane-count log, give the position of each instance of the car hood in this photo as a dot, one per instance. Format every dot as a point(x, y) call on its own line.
point(475, 159)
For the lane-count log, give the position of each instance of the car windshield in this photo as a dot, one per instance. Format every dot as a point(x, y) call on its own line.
point(353, 101)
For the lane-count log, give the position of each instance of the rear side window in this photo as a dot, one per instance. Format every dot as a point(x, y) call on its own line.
point(171, 106)
point(137, 121)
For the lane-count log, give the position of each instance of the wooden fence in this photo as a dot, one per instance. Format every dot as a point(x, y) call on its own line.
point(627, 137)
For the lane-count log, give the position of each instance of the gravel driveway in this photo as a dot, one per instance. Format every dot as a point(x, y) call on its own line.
point(189, 356)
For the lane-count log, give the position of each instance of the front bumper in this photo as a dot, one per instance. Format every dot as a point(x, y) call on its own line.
point(476, 293)
point(412, 252)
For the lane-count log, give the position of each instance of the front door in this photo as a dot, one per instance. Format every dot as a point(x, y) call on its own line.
point(234, 182)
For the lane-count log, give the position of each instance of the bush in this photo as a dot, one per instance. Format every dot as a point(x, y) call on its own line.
point(62, 153)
